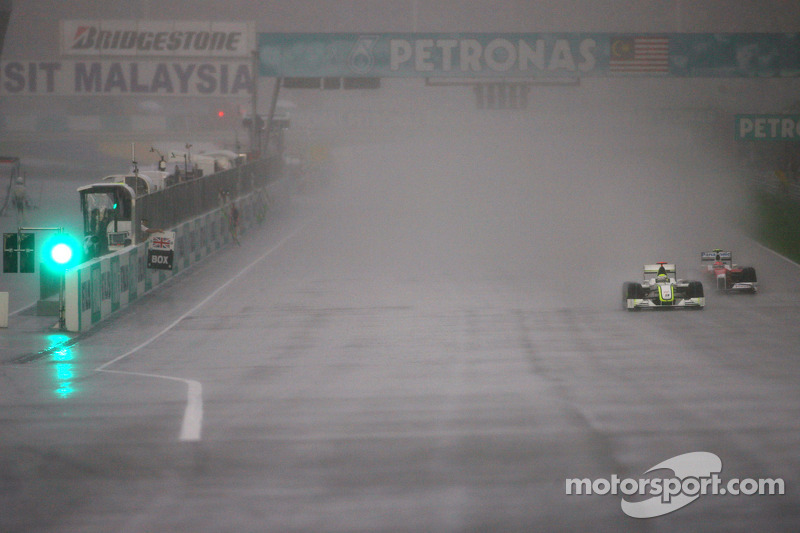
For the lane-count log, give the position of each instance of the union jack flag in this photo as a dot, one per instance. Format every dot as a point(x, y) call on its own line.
point(161, 243)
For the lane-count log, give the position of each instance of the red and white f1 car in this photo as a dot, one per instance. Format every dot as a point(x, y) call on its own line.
point(725, 275)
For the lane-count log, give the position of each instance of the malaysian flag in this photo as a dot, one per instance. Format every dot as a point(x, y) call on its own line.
point(640, 55)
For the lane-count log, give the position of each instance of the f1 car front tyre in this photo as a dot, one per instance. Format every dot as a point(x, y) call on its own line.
point(631, 291)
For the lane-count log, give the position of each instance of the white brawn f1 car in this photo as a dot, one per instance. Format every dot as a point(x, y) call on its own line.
point(661, 290)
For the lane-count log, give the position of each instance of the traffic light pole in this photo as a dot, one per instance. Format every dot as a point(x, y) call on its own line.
point(62, 287)
point(255, 140)
point(271, 116)
point(62, 284)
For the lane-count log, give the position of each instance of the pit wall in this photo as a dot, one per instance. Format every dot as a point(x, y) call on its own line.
point(98, 288)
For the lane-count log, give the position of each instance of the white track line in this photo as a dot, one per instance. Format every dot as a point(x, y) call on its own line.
point(21, 309)
point(773, 252)
point(193, 415)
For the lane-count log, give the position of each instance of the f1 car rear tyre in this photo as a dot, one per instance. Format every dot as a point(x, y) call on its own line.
point(748, 275)
point(694, 290)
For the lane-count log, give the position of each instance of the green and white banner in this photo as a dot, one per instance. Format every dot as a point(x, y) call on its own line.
point(528, 55)
point(768, 127)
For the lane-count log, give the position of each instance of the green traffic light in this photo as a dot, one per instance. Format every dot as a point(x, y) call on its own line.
point(61, 252)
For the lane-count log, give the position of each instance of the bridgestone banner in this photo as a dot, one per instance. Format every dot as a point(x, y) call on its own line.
point(110, 38)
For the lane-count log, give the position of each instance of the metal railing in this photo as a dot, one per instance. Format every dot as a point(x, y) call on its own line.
point(184, 200)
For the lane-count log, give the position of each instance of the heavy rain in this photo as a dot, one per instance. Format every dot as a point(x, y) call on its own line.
point(405, 302)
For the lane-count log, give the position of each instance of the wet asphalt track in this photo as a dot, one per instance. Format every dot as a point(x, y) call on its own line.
point(350, 384)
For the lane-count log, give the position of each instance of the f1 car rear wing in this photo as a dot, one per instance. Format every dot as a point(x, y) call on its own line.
point(716, 255)
point(653, 269)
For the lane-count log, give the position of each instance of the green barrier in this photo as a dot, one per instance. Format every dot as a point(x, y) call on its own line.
point(100, 287)
point(777, 224)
